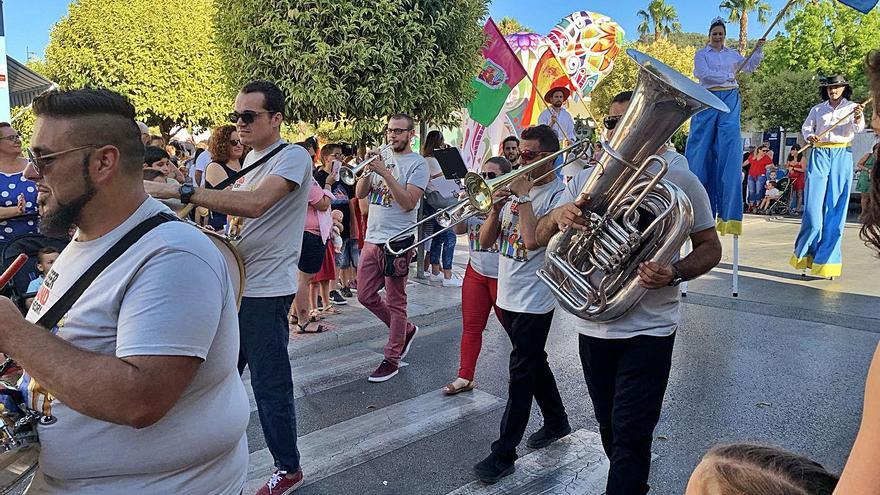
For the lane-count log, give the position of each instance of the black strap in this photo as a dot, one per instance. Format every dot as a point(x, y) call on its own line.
point(241, 173)
point(51, 317)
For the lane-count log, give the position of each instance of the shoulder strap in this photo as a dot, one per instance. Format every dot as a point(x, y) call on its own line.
point(51, 317)
point(241, 173)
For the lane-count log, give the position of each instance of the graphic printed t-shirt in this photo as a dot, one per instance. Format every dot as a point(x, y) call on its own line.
point(659, 312)
point(270, 244)
point(483, 259)
point(11, 185)
point(386, 217)
point(519, 289)
point(170, 294)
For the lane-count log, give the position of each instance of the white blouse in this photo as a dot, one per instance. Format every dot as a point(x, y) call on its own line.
point(717, 68)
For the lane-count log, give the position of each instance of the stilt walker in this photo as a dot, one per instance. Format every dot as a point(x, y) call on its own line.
point(714, 146)
point(829, 178)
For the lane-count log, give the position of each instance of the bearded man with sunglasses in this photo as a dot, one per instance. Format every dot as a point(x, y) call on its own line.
point(394, 190)
point(526, 305)
point(272, 202)
point(626, 362)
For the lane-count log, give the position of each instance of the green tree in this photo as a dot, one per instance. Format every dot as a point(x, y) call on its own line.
point(23, 119)
point(357, 61)
point(626, 71)
point(660, 17)
point(738, 11)
point(171, 72)
point(509, 25)
point(778, 99)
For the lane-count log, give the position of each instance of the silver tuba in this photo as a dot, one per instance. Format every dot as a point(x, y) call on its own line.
point(632, 214)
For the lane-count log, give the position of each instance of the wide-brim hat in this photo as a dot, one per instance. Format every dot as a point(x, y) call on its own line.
point(835, 80)
point(565, 93)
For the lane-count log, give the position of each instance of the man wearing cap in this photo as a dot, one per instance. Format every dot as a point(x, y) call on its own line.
point(829, 178)
point(145, 132)
point(557, 117)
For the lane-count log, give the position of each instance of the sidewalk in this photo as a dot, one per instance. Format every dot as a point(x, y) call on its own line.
point(428, 303)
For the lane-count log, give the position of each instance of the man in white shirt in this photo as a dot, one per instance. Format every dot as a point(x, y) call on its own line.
point(829, 178)
point(124, 379)
point(556, 117)
point(627, 361)
point(526, 305)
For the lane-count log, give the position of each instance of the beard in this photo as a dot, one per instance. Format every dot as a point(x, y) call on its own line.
point(401, 147)
point(57, 223)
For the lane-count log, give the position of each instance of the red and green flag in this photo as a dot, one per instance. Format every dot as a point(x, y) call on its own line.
point(500, 72)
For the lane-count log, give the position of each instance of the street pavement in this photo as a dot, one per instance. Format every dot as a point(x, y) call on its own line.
point(783, 363)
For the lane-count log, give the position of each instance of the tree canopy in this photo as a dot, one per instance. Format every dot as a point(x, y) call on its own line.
point(660, 17)
point(778, 99)
point(509, 25)
point(170, 71)
point(738, 11)
point(357, 61)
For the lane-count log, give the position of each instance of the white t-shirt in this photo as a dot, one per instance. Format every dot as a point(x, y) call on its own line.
point(564, 127)
point(773, 193)
point(659, 312)
point(446, 187)
point(170, 294)
point(201, 164)
point(483, 260)
point(386, 217)
point(519, 288)
point(270, 244)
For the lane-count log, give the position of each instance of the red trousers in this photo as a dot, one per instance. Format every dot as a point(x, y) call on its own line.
point(477, 298)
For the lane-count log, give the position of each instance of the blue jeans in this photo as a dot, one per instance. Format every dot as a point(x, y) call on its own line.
point(262, 323)
point(756, 189)
point(446, 243)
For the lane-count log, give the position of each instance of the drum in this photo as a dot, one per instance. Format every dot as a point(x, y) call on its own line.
point(16, 465)
point(234, 261)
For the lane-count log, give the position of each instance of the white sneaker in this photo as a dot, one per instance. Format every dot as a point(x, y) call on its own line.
point(438, 277)
point(452, 282)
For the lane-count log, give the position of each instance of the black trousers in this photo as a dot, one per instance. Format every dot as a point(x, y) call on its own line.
point(530, 377)
point(627, 380)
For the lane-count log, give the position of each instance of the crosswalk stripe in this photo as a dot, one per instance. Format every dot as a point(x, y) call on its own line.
point(325, 371)
point(573, 464)
point(347, 444)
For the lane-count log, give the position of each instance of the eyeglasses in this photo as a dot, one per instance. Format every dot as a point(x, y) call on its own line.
point(531, 155)
point(611, 121)
point(14, 137)
point(247, 117)
point(40, 162)
point(235, 142)
point(397, 131)
point(488, 175)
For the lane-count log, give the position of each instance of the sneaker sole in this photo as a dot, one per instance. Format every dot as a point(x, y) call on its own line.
point(409, 345)
point(495, 479)
point(292, 488)
point(380, 379)
point(340, 303)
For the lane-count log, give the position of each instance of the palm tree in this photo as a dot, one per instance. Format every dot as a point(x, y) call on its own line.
point(661, 17)
point(738, 10)
point(509, 25)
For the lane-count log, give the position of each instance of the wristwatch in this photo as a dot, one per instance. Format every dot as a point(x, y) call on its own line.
point(186, 191)
point(523, 199)
point(676, 277)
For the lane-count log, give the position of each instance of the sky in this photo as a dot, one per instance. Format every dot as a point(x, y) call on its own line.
point(28, 22)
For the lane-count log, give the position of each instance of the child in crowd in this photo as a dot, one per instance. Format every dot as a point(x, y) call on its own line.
point(770, 195)
point(45, 258)
point(158, 159)
point(744, 469)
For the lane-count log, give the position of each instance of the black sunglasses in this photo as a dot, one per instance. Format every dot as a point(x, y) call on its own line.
point(488, 175)
point(611, 121)
point(530, 155)
point(235, 142)
point(247, 117)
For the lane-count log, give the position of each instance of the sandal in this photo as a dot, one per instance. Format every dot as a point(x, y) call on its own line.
point(329, 310)
point(304, 328)
point(451, 389)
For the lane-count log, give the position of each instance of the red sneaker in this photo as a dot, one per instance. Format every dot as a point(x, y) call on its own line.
point(384, 372)
point(281, 484)
point(408, 343)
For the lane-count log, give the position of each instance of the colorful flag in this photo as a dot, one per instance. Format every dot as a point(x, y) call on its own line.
point(863, 6)
point(499, 73)
point(548, 74)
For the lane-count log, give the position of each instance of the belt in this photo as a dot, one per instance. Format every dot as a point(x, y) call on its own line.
point(831, 145)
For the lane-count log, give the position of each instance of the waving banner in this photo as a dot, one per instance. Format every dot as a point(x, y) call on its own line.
point(586, 44)
point(863, 6)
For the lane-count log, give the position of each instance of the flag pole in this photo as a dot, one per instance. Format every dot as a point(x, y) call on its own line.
point(766, 33)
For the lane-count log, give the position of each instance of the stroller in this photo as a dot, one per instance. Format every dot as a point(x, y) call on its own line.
point(782, 205)
point(29, 244)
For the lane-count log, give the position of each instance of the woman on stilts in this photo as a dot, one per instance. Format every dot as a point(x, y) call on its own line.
point(829, 178)
point(714, 146)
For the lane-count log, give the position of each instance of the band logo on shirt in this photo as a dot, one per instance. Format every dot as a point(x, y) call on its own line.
point(511, 243)
point(42, 296)
point(474, 240)
point(380, 193)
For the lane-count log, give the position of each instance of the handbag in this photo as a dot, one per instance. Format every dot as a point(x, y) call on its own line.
point(397, 265)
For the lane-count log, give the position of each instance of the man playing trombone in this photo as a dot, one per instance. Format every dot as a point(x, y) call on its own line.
point(526, 304)
point(394, 190)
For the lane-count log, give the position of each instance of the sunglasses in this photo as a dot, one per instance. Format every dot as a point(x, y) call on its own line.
point(531, 155)
point(235, 142)
point(488, 175)
point(14, 137)
point(397, 131)
point(247, 117)
point(611, 121)
point(41, 162)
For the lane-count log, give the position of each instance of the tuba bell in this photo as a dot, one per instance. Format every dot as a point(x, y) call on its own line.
point(632, 214)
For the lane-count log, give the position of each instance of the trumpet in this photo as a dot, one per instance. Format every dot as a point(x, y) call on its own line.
point(480, 196)
point(351, 175)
